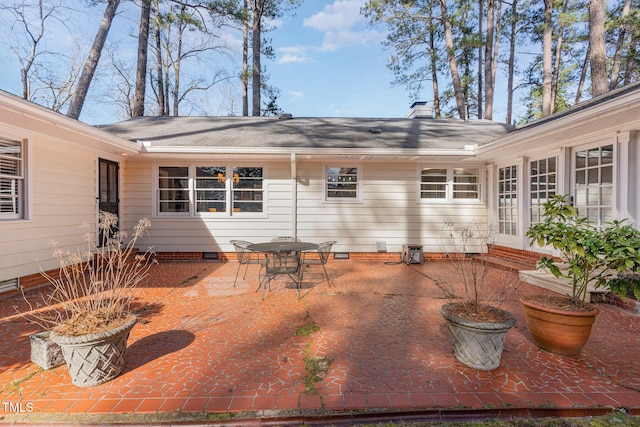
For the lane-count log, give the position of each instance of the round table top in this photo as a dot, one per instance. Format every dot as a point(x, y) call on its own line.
point(283, 246)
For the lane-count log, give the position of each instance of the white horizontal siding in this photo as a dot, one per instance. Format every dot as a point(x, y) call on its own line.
point(206, 233)
point(62, 179)
point(389, 211)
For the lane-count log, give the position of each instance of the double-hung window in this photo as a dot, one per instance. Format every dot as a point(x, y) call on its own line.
point(342, 183)
point(173, 190)
point(594, 184)
point(222, 190)
point(445, 184)
point(12, 192)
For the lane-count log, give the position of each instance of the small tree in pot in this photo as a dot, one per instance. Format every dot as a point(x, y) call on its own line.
point(590, 258)
point(90, 301)
point(478, 329)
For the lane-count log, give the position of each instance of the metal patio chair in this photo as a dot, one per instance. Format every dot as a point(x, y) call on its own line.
point(281, 263)
point(324, 251)
point(245, 257)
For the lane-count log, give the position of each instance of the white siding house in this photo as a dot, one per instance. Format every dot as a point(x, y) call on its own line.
point(48, 184)
point(367, 183)
point(361, 182)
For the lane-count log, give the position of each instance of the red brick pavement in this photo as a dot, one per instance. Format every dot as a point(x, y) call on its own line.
point(202, 346)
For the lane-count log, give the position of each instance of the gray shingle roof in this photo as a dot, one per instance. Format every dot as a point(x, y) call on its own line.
point(308, 133)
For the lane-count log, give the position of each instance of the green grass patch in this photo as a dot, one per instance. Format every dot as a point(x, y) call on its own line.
point(306, 329)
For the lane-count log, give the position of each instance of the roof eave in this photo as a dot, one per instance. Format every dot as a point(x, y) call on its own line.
point(312, 153)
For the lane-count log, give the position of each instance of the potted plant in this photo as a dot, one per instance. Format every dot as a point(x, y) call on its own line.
point(590, 258)
point(478, 329)
point(89, 305)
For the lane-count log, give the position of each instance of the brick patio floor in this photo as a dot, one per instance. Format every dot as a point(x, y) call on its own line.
point(202, 346)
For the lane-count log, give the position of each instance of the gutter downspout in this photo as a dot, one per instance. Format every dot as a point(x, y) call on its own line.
point(294, 196)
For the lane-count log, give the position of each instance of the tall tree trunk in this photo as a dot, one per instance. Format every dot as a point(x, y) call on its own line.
point(512, 59)
point(159, 70)
point(496, 48)
point(80, 94)
point(141, 70)
point(182, 25)
point(547, 107)
point(488, 61)
point(434, 70)
point(453, 63)
point(245, 63)
point(480, 64)
point(256, 48)
point(162, 111)
point(555, 77)
point(617, 56)
point(630, 69)
point(583, 76)
point(598, 60)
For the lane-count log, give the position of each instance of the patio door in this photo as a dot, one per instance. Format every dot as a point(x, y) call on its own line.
point(108, 187)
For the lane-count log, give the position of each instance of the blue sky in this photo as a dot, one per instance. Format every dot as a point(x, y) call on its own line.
point(330, 63)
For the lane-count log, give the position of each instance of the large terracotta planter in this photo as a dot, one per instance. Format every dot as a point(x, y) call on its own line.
point(478, 345)
point(558, 331)
point(94, 359)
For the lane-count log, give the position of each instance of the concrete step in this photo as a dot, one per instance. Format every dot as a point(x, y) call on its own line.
point(545, 279)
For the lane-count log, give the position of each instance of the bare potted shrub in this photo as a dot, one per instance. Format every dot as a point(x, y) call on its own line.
point(478, 329)
point(590, 258)
point(89, 305)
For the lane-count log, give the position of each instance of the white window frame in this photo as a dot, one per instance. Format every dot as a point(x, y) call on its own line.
point(17, 182)
point(514, 211)
point(229, 190)
point(555, 190)
point(595, 187)
point(450, 184)
point(358, 183)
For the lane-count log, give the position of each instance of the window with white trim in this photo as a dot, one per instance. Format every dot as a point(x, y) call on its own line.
point(508, 200)
point(593, 197)
point(223, 190)
point(543, 174)
point(342, 183)
point(12, 191)
point(437, 183)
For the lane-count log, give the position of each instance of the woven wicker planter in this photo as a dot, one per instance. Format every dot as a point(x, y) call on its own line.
point(477, 345)
point(94, 359)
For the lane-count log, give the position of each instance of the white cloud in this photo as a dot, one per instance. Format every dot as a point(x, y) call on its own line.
point(339, 16)
point(293, 54)
point(343, 25)
point(296, 94)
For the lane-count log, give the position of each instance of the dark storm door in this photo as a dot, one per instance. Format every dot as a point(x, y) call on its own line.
point(108, 188)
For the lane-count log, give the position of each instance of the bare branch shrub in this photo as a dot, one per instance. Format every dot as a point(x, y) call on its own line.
point(92, 293)
point(467, 246)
